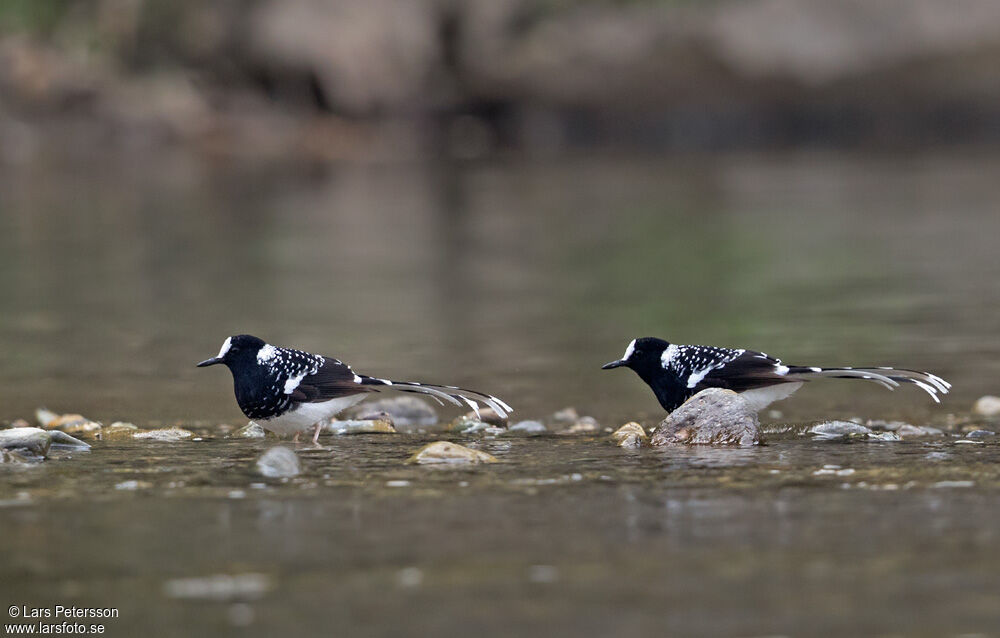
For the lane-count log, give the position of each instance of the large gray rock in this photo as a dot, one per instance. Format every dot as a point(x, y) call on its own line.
point(34, 441)
point(711, 417)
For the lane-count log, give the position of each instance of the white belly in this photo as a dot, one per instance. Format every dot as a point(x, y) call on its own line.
point(760, 398)
point(307, 415)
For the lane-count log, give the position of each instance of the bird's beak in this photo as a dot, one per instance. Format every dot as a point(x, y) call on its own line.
point(210, 362)
point(613, 364)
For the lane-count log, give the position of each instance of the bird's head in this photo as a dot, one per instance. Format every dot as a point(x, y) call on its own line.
point(235, 350)
point(641, 355)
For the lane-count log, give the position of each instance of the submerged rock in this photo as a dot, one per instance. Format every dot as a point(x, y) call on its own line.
point(117, 431)
point(278, 462)
point(987, 406)
point(630, 435)
point(528, 428)
point(712, 417)
point(249, 431)
point(376, 426)
point(445, 452)
point(19, 457)
point(470, 425)
point(164, 434)
point(848, 430)
point(34, 441)
point(405, 411)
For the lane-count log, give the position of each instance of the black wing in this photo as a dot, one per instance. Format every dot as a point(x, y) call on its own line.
point(746, 371)
point(331, 380)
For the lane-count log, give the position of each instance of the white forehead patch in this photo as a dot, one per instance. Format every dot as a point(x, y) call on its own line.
point(266, 353)
point(228, 343)
point(629, 350)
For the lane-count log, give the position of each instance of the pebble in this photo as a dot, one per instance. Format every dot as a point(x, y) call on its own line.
point(583, 425)
point(405, 411)
point(164, 434)
point(712, 417)
point(278, 462)
point(450, 453)
point(467, 424)
point(987, 406)
point(528, 428)
point(379, 426)
point(565, 417)
point(131, 486)
point(630, 435)
point(251, 430)
point(980, 434)
point(70, 423)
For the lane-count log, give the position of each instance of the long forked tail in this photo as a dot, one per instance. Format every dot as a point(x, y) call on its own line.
point(886, 377)
point(449, 393)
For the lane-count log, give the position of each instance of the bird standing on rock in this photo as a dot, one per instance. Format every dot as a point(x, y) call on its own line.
point(288, 391)
point(676, 373)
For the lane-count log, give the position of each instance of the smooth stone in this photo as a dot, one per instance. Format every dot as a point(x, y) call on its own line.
point(164, 434)
point(528, 428)
point(980, 434)
point(80, 428)
point(20, 423)
point(405, 411)
point(838, 429)
point(712, 417)
point(583, 425)
point(445, 452)
point(379, 426)
point(907, 430)
point(630, 435)
point(278, 462)
point(249, 431)
point(63, 440)
point(987, 406)
point(34, 441)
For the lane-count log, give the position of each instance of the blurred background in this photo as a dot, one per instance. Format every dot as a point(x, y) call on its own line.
point(498, 193)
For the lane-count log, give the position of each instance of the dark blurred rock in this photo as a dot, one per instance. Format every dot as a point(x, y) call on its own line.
point(711, 417)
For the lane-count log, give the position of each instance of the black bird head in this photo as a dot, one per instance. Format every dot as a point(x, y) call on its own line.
point(642, 356)
point(237, 351)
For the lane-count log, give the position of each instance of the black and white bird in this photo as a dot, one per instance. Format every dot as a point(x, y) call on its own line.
point(676, 373)
point(288, 391)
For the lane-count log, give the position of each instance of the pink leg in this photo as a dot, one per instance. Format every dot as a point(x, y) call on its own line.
point(295, 439)
point(319, 426)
